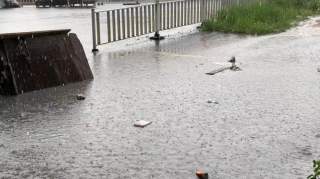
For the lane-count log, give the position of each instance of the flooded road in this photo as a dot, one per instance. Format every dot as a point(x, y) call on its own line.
point(265, 125)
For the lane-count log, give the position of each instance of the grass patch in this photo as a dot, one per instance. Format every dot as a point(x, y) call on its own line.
point(267, 16)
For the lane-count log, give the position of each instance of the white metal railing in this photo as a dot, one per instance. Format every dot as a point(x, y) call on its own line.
point(118, 24)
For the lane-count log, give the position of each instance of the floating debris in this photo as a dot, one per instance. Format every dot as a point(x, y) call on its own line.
point(202, 175)
point(142, 123)
point(233, 67)
point(218, 71)
point(318, 69)
point(232, 60)
point(215, 102)
point(80, 97)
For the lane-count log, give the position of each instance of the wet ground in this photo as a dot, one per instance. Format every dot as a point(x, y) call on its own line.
point(265, 123)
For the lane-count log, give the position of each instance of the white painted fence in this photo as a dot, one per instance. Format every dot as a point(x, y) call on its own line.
point(118, 24)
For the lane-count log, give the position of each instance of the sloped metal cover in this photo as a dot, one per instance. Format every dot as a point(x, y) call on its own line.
point(36, 60)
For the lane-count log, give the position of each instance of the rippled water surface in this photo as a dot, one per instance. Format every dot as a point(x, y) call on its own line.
point(265, 125)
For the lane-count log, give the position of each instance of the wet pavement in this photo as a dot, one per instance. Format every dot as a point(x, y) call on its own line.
point(265, 123)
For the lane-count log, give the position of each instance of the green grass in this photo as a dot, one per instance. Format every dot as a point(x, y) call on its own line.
point(268, 16)
point(316, 170)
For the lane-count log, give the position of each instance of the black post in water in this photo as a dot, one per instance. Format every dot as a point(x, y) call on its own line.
point(156, 34)
point(94, 38)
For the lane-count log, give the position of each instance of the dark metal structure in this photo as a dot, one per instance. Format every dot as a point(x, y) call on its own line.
point(65, 3)
point(36, 60)
point(43, 3)
point(59, 3)
point(11, 4)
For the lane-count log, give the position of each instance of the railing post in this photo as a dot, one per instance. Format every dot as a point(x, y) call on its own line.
point(202, 10)
point(157, 24)
point(94, 38)
point(98, 28)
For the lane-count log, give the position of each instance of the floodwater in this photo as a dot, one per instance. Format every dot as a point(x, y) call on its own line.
point(265, 123)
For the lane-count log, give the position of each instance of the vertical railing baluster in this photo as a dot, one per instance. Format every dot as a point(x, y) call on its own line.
point(123, 23)
point(213, 8)
point(149, 18)
point(113, 25)
point(145, 20)
point(128, 22)
point(199, 10)
point(206, 9)
point(184, 12)
point(181, 12)
point(189, 12)
point(93, 21)
point(141, 21)
point(154, 20)
point(137, 21)
point(171, 14)
point(192, 12)
point(210, 10)
point(175, 14)
point(194, 19)
point(98, 28)
point(168, 15)
point(195, 11)
point(164, 15)
point(118, 25)
point(160, 16)
point(178, 14)
point(109, 26)
point(132, 22)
